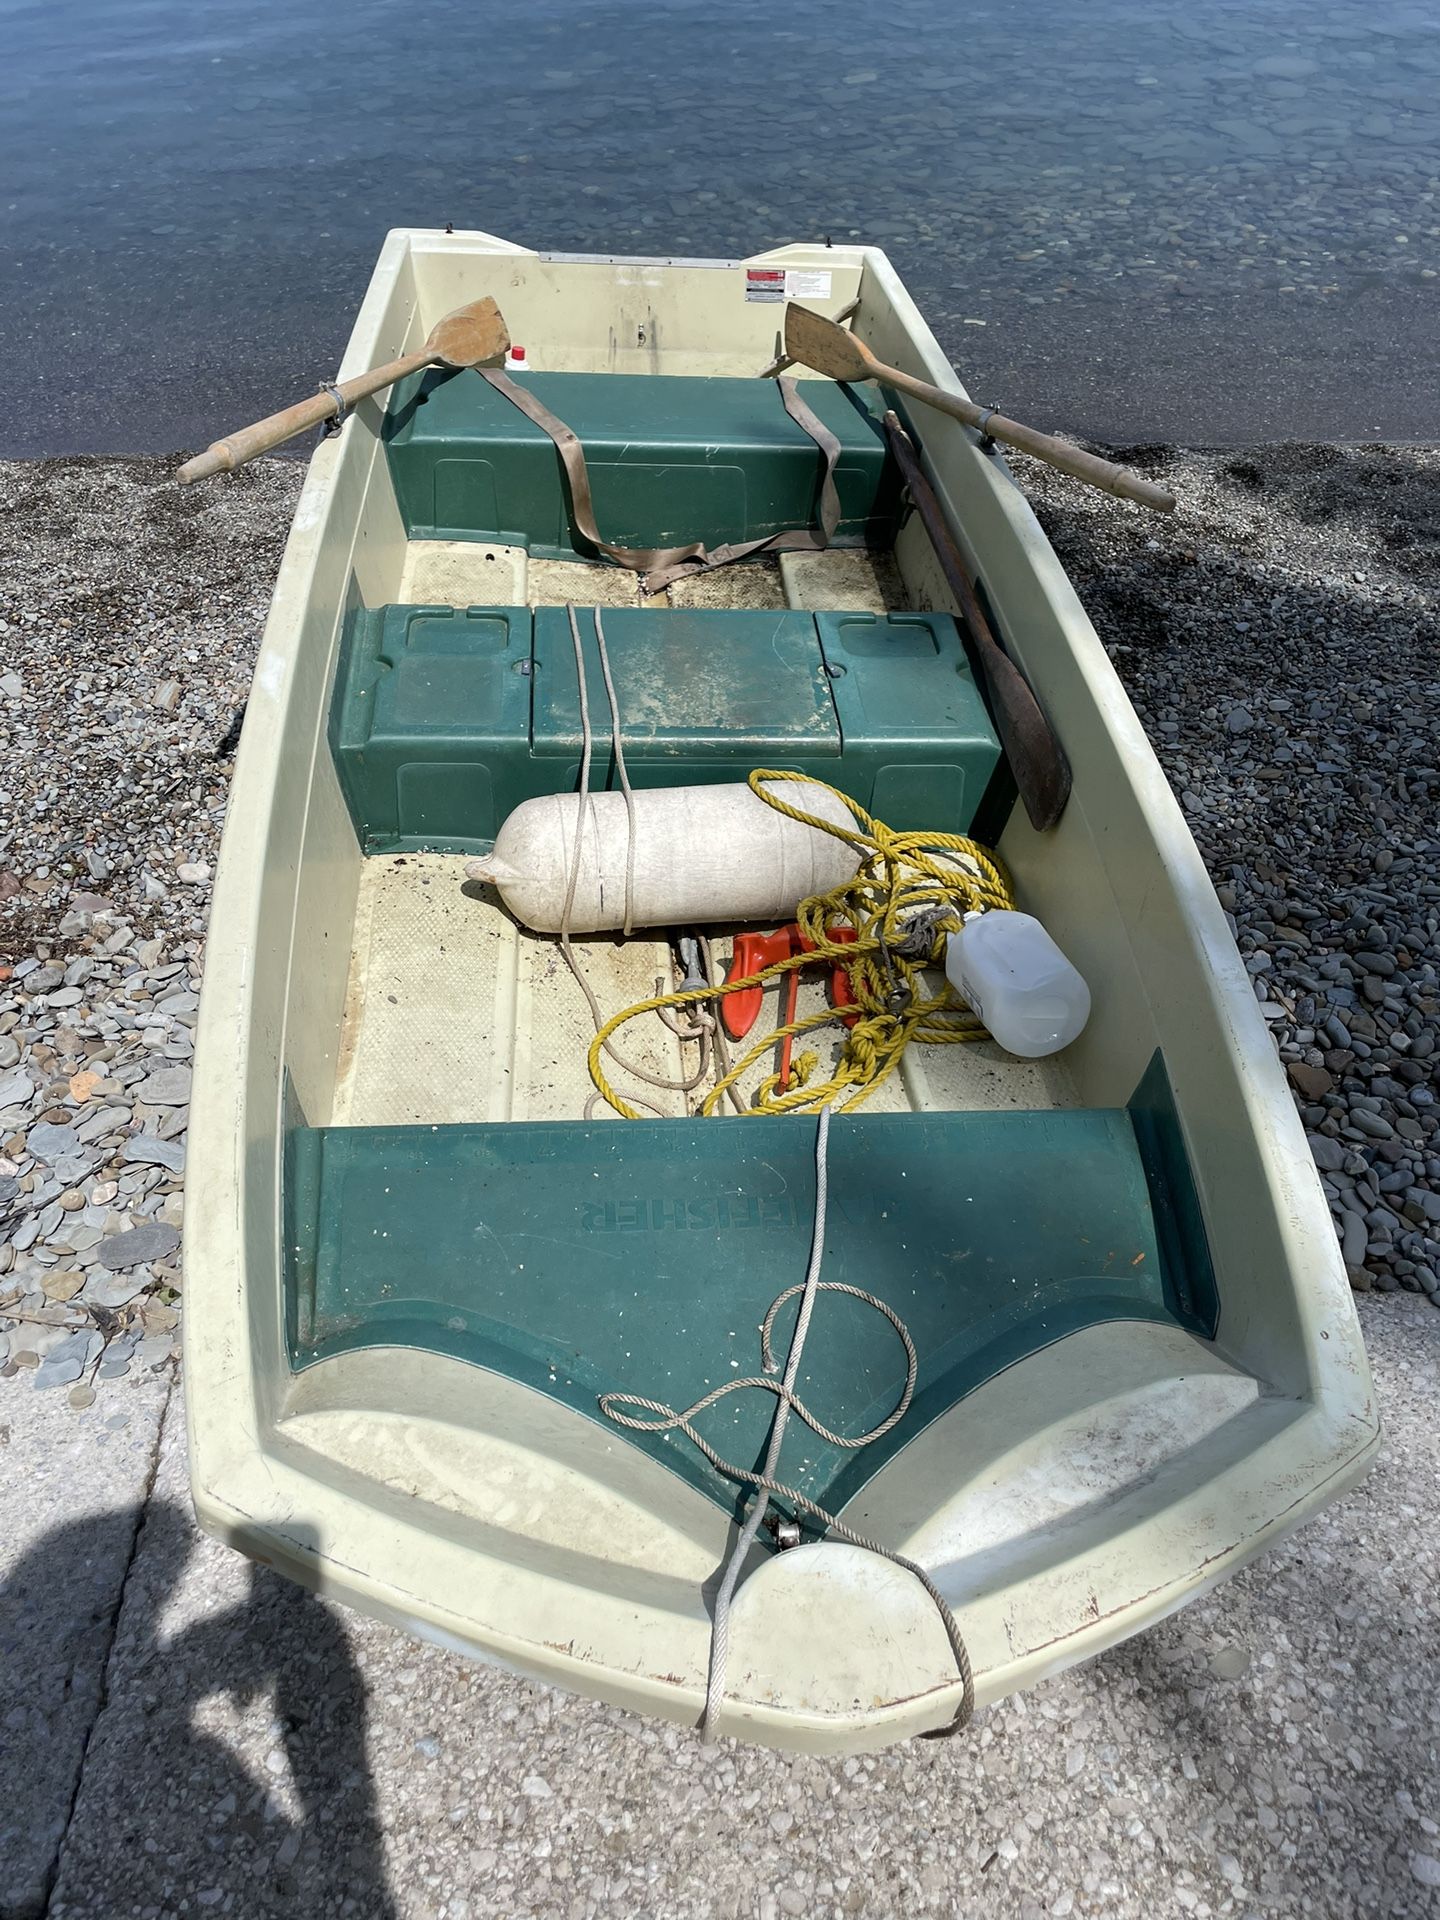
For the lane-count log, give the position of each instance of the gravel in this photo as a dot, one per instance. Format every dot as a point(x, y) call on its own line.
point(129, 617)
point(1278, 635)
point(143, 602)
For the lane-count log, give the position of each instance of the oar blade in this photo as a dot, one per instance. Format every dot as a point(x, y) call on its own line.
point(473, 336)
point(815, 342)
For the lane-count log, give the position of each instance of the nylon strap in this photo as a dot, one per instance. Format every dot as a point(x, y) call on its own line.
point(662, 565)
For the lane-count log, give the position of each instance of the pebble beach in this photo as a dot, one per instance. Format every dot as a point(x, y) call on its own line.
point(1280, 639)
point(129, 621)
point(185, 1732)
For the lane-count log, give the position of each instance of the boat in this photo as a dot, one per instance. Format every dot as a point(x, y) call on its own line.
point(448, 1306)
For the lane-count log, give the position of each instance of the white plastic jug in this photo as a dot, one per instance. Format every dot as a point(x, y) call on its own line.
point(1007, 968)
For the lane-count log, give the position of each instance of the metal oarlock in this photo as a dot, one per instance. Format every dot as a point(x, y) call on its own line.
point(336, 419)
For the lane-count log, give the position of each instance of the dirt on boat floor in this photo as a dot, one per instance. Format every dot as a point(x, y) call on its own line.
point(1269, 1750)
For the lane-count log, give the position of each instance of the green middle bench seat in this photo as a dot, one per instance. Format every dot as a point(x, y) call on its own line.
point(671, 459)
point(445, 719)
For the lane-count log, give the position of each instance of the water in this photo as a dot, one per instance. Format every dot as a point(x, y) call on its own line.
point(1214, 221)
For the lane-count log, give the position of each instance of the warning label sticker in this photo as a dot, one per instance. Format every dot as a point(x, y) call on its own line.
point(764, 283)
point(787, 283)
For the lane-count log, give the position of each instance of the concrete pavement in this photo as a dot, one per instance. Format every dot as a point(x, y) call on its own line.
point(243, 1749)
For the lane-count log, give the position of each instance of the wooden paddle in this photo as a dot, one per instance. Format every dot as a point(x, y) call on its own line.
point(1037, 760)
point(472, 336)
point(817, 342)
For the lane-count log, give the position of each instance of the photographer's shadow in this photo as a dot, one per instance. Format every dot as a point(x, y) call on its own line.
point(177, 1795)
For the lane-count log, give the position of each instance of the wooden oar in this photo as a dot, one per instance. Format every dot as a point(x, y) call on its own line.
point(1037, 760)
point(817, 342)
point(472, 336)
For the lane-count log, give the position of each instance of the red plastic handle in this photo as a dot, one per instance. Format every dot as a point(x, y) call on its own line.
point(753, 953)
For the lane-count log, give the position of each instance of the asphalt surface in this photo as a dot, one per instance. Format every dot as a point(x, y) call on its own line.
point(229, 1745)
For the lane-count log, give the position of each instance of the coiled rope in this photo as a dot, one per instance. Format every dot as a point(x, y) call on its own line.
point(910, 891)
point(665, 1419)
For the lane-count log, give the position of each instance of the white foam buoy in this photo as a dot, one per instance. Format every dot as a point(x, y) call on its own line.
point(702, 854)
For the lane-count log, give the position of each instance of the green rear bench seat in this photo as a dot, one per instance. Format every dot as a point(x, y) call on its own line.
point(444, 719)
point(671, 460)
point(578, 1258)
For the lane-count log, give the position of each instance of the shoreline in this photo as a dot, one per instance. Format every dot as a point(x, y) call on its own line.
point(1209, 364)
point(1116, 447)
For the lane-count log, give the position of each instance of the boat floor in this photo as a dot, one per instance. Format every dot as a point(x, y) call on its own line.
point(482, 573)
point(455, 1013)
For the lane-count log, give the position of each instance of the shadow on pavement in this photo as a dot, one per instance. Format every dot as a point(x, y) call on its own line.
point(135, 1739)
point(57, 1621)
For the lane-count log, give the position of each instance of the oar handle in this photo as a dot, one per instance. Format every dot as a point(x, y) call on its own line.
point(1044, 446)
point(236, 448)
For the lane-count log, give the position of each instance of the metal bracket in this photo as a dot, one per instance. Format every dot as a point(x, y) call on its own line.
point(337, 419)
point(692, 969)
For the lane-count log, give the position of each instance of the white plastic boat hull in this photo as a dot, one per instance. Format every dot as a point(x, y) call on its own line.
point(1070, 1501)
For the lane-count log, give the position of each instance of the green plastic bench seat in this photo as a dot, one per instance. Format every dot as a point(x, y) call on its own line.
point(445, 719)
point(641, 1257)
point(671, 460)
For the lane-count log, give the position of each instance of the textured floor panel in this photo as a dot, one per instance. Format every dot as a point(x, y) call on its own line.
point(427, 1017)
point(554, 1027)
point(749, 583)
point(455, 1014)
point(470, 573)
point(978, 1073)
point(553, 582)
point(843, 580)
point(462, 573)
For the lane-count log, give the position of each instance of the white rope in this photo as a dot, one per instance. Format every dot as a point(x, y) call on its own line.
point(720, 1628)
point(619, 748)
point(587, 741)
point(786, 1398)
point(667, 1420)
point(585, 745)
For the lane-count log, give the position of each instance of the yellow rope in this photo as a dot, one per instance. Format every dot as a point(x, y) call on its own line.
point(911, 889)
